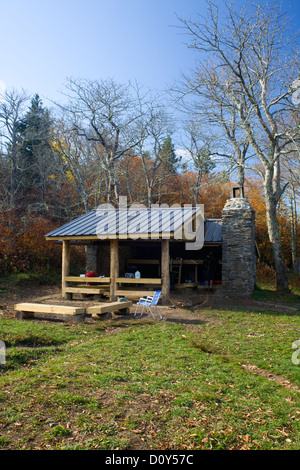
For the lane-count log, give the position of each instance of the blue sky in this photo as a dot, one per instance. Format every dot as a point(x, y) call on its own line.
point(43, 42)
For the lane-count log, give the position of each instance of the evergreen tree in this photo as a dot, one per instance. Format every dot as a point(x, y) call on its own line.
point(35, 150)
point(168, 155)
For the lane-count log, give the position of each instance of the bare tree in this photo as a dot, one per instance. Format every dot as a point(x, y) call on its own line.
point(77, 163)
point(155, 127)
point(198, 149)
point(12, 108)
point(105, 113)
point(247, 81)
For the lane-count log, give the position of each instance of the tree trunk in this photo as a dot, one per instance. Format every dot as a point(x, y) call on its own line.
point(241, 176)
point(149, 196)
point(293, 228)
point(112, 190)
point(197, 189)
point(275, 239)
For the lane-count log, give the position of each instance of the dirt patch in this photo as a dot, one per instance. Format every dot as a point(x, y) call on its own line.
point(181, 309)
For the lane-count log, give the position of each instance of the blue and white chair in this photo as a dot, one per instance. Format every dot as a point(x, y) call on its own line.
point(148, 302)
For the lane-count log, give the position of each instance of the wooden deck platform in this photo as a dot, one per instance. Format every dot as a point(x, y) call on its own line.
point(70, 313)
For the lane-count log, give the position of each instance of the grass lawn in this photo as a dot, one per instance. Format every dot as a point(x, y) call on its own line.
point(225, 380)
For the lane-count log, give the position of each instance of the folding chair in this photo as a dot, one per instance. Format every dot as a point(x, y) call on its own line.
point(148, 302)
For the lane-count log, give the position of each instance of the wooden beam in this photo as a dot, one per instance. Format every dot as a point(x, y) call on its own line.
point(65, 265)
point(107, 307)
point(134, 294)
point(165, 271)
point(78, 237)
point(86, 290)
point(44, 308)
point(142, 236)
point(114, 267)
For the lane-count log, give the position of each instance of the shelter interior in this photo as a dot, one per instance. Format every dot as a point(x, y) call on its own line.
point(185, 269)
point(145, 256)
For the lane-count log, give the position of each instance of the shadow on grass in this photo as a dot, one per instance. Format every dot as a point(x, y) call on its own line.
point(269, 294)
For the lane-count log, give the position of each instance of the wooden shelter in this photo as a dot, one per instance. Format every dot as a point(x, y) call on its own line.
point(153, 242)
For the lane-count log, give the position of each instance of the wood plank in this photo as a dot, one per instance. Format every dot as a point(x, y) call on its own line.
point(44, 308)
point(145, 280)
point(85, 290)
point(134, 294)
point(103, 286)
point(87, 279)
point(107, 307)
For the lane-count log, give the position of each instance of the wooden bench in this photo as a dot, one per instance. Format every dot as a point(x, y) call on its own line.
point(27, 310)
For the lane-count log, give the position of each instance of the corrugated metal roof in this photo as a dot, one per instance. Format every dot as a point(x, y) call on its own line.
point(213, 231)
point(109, 223)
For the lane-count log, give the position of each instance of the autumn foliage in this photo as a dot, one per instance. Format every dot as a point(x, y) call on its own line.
point(23, 247)
point(51, 176)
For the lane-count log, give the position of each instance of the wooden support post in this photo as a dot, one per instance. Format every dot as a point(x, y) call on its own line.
point(165, 271)
point(65, 266)
point(114, 267)
point(23, 315)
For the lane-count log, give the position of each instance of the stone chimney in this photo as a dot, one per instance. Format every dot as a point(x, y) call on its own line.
point(238, 246)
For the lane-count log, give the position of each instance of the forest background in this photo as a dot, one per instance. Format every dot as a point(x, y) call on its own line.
point(107, 139)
